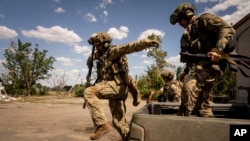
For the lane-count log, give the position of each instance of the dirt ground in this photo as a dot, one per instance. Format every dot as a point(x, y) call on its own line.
point(51, 118)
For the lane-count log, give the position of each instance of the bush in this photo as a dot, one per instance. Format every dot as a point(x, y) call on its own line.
point(79, 89)
point(9, 89)
point(145, 93)
point(19, 92)
point(44, 90)
point(33, 91)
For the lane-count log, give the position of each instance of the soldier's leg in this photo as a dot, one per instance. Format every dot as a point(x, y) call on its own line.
point(134, 91)
point(95, 106)
point(92, 95)
point(190, 92)
point(207, 76)
point(177, 98)
point(205, 109)
point(118, 111)
point(177, 94)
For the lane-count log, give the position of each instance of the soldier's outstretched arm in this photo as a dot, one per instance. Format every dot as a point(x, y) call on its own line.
point(132, 47)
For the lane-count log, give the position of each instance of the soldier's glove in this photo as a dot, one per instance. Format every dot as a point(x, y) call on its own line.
point(215, 57)
point(152, 43)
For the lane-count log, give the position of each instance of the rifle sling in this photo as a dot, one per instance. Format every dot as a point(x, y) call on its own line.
point(224, 56)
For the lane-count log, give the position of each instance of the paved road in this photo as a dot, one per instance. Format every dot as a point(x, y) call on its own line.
point(52, 120)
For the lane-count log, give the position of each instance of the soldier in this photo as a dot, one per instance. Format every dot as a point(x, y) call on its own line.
point(171, 90)
point(112, 82)
point(205, 34)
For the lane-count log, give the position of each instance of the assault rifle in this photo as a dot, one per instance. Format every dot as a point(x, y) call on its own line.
point(235, 62)
point(88, 77)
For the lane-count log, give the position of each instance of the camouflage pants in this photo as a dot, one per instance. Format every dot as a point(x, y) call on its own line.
point(197, 94)
point(116, 95)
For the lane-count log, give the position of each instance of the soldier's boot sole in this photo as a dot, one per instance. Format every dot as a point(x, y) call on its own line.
point(206, 112)
point(101, 131)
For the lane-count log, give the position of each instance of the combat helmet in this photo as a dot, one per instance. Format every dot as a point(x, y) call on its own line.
point(100, 38)
point(182, 11)
point(167, 74)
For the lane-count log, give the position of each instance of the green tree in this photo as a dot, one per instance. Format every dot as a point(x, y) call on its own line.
point(26, 66)
point(152, 79)
point(143, 84)
point(225, 84)
point(153, 71)
point(178, 73)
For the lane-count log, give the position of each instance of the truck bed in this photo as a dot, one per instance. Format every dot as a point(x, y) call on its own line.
point(158, 122)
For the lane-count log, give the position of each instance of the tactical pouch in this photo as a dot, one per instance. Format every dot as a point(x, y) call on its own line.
point(120, 75)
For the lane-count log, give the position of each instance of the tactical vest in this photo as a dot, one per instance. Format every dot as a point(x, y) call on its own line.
point(204, 36)
point(120, 70)
point(203, 39)
point(116, 70)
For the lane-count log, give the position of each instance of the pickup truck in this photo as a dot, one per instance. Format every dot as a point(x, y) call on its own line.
point(157, 121)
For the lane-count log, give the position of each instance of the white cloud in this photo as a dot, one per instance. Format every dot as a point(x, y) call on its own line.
point(120, 33)
point(104, 16)
point(138, 67)
point(2, 61)
point(57, 1)
point(59, 10)
point(74, 77)
point(84, 49)
point(242, 9)
point(148, 32)
point(90, 17)
point(144, 56)
point(175, 60)
point(105, 13)
point(6, 33)
point(104, 3)
point(71, 77)
point(65, 61)
point(205, 1)
point(148, 62)
point(78, 60)
point(73, 74)
point(1, 15)
point(53, 34)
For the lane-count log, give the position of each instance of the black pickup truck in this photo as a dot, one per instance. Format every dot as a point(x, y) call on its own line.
point(157, 121)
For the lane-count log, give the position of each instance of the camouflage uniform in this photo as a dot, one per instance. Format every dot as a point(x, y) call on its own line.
point(172, 88)
point(201, 35)
point(172, 91)
point(112, 84)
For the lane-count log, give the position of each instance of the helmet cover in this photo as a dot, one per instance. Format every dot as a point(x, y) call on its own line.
point(182, 10)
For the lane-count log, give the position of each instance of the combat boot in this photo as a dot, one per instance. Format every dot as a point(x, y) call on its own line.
point(206, 112)
point(101, 130)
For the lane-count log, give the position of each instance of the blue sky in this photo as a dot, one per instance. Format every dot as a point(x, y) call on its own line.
point(63, 27)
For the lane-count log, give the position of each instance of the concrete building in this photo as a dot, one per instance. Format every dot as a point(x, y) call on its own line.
point(243, 48)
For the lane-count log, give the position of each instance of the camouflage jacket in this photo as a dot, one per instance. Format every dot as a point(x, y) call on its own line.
point(112, 65)
point(172, 90)
point(205, 32)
